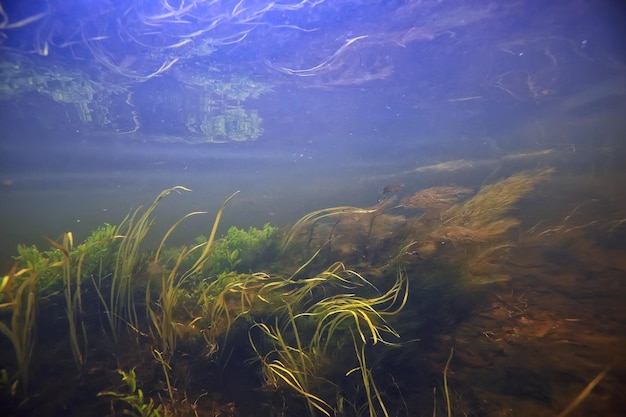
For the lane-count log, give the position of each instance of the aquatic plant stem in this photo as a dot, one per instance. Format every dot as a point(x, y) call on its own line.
point(585, 392)
point(166, 368)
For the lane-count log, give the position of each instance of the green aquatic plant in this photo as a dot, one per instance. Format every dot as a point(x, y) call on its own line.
point(30, 257)
point(121, 304)
point(230, 297)
point(98, 249)
point(306, 327)
point(20, 297)
point(369, 385)
point(302, 291)
point(59, 266)
point(163, 323)
point(233, 295)
point(162, 320)
point(293, 365)
point(239, 250)
point(72, 265)
point(363, 315)
point(138, 405)
point(72, 293)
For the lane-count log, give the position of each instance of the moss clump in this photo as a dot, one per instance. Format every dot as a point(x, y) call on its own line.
point(240, 250)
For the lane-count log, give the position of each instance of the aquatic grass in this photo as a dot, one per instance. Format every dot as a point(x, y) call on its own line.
point(134, 227)
point(297, 292)
point(364, 315)
point(19, 295)
point(197, 266)
point(233, 295)
point(163, 322)
point(445, 382)
point(290, 364)
point(298, 363)
point(307, 263)
point(371, 390)
point(246, 288)
point(72, 292)
point(235, 299)
point(310, 219)
point(171, 230)
point(336, 311)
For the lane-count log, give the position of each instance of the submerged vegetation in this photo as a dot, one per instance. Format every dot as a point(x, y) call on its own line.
point(311, 320)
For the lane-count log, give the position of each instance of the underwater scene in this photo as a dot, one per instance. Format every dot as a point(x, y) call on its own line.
point(324, 208)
